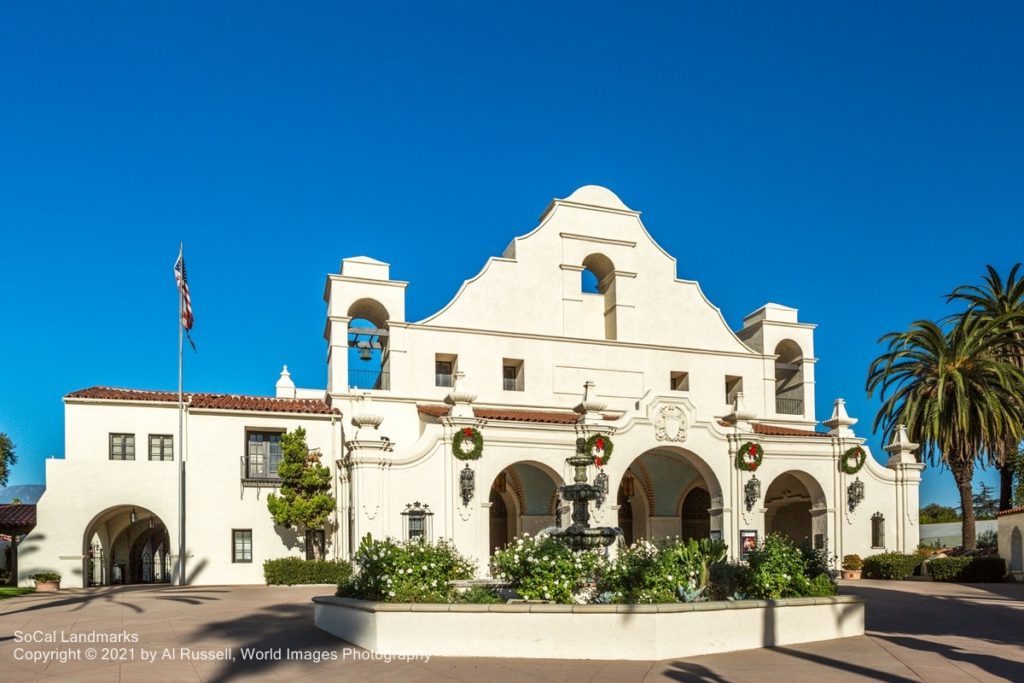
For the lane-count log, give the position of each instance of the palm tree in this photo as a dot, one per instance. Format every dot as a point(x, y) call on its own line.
point(957, 396)
point(993, 299)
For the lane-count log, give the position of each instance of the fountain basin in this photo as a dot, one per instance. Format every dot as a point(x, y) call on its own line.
point(544, 631)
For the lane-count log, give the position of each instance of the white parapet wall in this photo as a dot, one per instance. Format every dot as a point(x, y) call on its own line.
point(542, 631)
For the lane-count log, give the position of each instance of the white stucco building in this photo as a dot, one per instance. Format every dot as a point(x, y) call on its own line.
point(586, 297)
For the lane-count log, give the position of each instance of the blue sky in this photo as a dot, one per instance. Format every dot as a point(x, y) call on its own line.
point(854, 162)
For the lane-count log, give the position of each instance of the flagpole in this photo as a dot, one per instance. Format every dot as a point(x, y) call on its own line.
point(181, 438)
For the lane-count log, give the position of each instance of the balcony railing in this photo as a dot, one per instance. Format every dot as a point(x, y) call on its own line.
point(512, 383)
point(789, 406)
point(369, 379)
point(254, 473)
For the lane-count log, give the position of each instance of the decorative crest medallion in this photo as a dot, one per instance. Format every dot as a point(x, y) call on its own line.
point(670, 424)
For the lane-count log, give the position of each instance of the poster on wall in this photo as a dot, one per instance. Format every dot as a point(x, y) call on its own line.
point(748, 542)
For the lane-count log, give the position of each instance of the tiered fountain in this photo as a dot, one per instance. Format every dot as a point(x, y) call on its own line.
point(579, 535)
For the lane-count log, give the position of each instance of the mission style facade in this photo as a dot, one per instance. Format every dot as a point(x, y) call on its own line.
point(580, 328)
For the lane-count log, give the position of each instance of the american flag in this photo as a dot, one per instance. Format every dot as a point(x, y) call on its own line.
point(186, 301)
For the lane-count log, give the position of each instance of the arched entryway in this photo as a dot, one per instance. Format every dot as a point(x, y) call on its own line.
point(795, 507)
point(667, 492)
point(523, 499)
point(126, 544)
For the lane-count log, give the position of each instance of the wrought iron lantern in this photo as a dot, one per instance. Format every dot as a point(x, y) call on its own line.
point(854, 494)
point(467, 484)
point(752, 492)
point(151, 523)
point(132, 517)
point(601, 481)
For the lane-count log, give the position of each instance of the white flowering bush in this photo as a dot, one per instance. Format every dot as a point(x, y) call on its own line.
point(406, 571)
point(668, 571)
point(543, 568)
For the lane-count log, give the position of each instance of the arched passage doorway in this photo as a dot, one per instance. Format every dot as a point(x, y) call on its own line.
point(524, 499)
point(126, 544)
point(795, 508)
point(667, 492)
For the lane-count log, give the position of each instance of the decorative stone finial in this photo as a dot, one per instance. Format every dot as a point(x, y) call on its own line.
point(740, 415)
point(460, 398)
point(840, 422)
point(365, 420)
point(901, 448)
point(590, 408)
point(285, 386)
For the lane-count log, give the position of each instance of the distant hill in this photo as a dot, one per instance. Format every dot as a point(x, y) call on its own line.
point(26, 493)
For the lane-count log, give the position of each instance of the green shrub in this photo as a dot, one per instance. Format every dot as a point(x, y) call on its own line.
point(543, 568)
point(668, 571)
point(729, 581)
point(478, 595)
point(406, 571)
point(852, 562)
point(821, 586)
point(891, 566)
point(777, 570)
point(967, 569)
point(292, 571)
point(46, 576)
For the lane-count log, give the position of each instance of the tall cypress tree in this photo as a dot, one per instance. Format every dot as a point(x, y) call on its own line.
point(305, 502)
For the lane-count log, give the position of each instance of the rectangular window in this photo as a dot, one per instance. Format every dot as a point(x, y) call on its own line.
point(679, 381)
point(444, 370)
point(241, 545)
point(122, 446)
point(878, 530)
point(512, 374)
point(161, 447)
point(733, 386)
point(416, 526)
point(262, 455)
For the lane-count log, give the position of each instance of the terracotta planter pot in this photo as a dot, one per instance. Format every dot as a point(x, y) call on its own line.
point(851, 574)
point(47, 586)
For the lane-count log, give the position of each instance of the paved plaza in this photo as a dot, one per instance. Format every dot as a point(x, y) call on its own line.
point(916, 631)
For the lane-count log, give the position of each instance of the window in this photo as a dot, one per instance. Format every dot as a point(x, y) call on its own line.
point(314, 544)
point(733, 386)
point(122, 446)
point(679, 381)
point(512, 374)
point(262, 455)
point(877, 530)
point(444, 370)
point(241, 545)
point(161, 447)
point(417, 518)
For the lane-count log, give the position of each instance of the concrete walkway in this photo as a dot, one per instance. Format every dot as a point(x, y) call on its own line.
point(917, 631)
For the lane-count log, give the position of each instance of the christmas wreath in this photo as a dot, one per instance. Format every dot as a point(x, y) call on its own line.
point(749, 456)
point(599, 447)
point(461, 448)
point(857, 455)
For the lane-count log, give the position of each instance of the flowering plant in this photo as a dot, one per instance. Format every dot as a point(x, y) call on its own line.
point(464, 451)
point(543, 568)
point(668, 571)
point(599, 447)
point(406, 571)
point(749, 456)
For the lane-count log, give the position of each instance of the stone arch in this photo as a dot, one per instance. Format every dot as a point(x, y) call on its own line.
point(368, 357)
point(528, 493)
point(599, 298)
point(795, 506)
point(789, 378)
point(371, 310)
point(113, 545)
point(662, 478)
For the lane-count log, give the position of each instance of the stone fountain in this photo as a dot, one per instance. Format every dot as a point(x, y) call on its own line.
point(579, 535)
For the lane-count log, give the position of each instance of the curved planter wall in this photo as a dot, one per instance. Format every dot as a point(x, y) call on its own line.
point(587, 631)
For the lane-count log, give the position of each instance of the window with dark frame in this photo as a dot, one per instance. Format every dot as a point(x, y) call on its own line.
point(262, 454)
point(122, 446)
point(444, 369)
point(241, 545)
point(512, 375)
point(161, 447)
point(878, 530)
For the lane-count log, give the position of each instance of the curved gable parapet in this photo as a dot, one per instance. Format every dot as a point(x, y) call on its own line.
point(535, 286)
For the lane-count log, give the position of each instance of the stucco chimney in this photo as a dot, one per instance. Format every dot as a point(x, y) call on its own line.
point(285, 386)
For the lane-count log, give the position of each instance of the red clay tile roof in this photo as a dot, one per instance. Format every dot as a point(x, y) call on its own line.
point(772, 430)
point(263, 404)
point(18, 518)
point(1011, 511)
point(511, 414)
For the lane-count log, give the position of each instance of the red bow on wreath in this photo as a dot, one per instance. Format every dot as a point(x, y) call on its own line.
point(468, 431)
point(598, 461)
point(599, 444)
